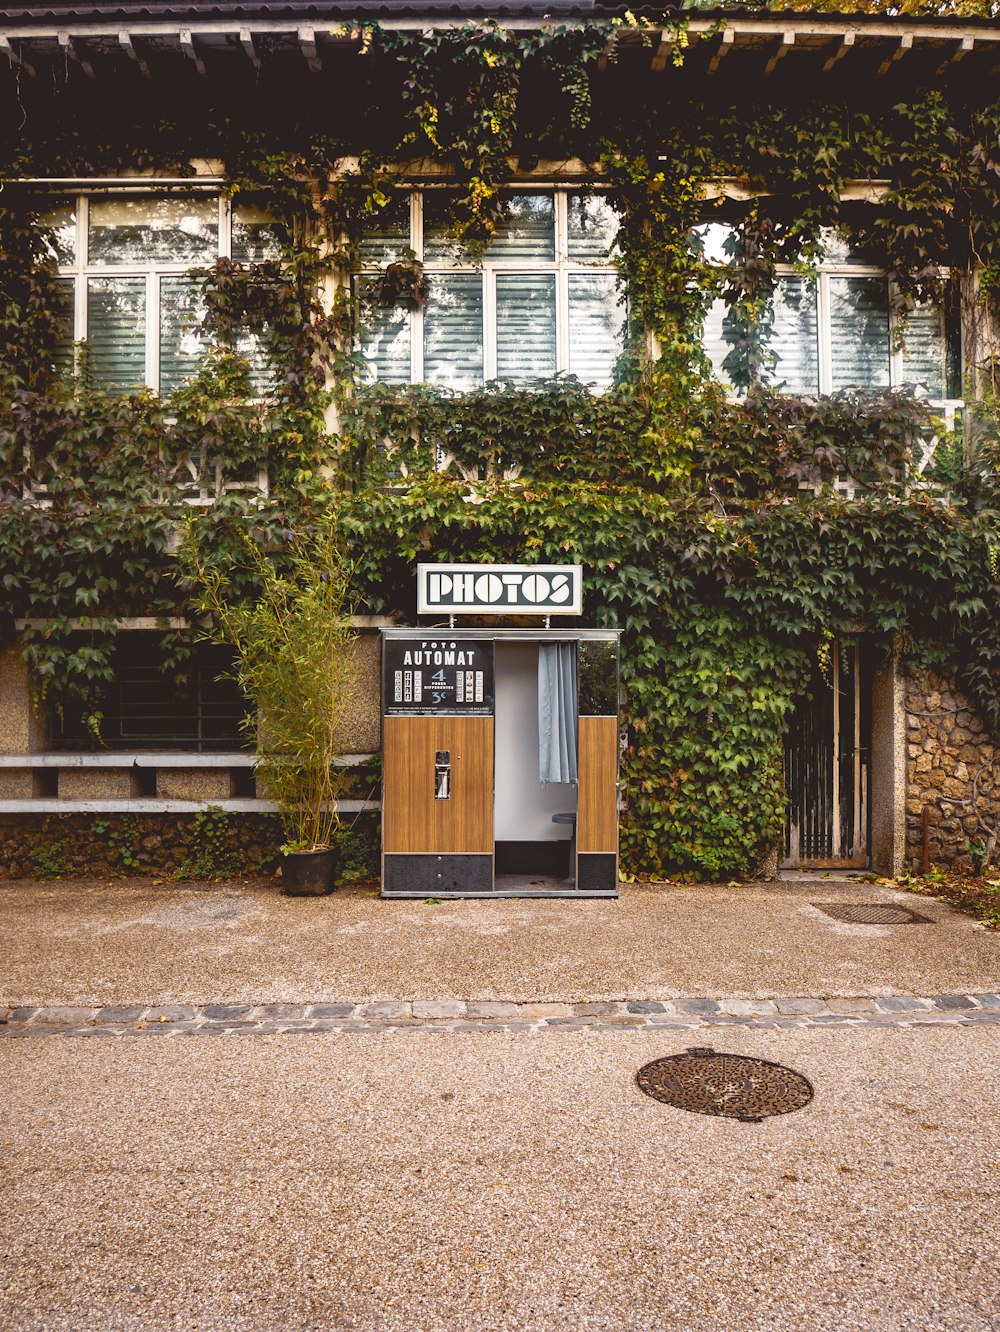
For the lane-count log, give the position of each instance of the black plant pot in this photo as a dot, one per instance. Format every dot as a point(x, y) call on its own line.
point(309, 873)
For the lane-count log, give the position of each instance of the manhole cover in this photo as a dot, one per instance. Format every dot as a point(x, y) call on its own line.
point(871, 913)
point(736, 1086)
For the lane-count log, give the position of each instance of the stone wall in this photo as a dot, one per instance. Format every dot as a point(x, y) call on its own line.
point(181, 845)
point(947, 747)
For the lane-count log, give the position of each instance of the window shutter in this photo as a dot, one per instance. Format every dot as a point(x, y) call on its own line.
point(794, 337)
point(453, 331)
point(526, 326)
point(859, 332)
point(182, 338)
point(116, 332)
point(596, 317)
point(925, 351)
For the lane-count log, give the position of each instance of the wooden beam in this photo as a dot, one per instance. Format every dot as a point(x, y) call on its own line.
point(125, 42)
point(66, 44)
point(784, 46)
point(246, 41)
point(662, 53)
point(307, 45)
point(961, 50)
point(15, 57)
point(188, 47)
point(846, 42)
point(726, 44)
point(905, 43)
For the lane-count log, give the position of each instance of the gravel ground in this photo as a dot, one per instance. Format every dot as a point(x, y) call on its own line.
point(138, 942)
point(480, 1182)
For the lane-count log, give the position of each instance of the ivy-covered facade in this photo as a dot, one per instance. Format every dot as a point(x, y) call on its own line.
point(704, 301)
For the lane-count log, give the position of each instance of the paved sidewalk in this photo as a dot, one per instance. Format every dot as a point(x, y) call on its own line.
point(136, 943)
point(452, 1015)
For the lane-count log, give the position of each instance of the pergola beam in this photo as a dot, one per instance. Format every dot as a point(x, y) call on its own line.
point(784, 46)
point(67, 45)
point(125, 42)
point(307, 45)
point(15, 57)
point(246, 41)
point(845, 44)
point(961, 50)
point(726, 43)
point(905, 44)
point(189, 49)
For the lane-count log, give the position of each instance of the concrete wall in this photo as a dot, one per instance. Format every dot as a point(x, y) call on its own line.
point(21, 728)
point(359, 730)
point(947, 749)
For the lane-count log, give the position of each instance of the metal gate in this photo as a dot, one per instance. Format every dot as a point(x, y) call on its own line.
point(827, 758)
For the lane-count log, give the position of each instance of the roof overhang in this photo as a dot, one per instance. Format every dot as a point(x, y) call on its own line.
point(98, 39)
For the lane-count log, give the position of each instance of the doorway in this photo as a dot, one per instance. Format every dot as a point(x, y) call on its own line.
point(534, 823)
point(827, 763)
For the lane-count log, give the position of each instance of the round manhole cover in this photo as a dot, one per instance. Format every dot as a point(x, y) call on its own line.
point(736, 1086)
point(871, 913)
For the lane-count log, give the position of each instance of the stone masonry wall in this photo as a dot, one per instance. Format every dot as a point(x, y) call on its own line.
point(50, 846)
point(948, 748)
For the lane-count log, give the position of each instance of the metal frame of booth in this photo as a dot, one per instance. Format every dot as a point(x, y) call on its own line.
point(439, 775)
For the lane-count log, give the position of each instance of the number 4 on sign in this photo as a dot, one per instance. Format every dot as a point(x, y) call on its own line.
point(438, 675)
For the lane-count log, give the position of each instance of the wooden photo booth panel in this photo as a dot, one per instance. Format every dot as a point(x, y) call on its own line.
point(597, 811)
point(416, 822)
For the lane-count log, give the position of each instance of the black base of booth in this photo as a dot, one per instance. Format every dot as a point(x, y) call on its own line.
point(454, 876)
point(433, 875)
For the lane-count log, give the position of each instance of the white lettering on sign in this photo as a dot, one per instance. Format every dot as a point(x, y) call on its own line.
point(429, 657)
point(544, 589)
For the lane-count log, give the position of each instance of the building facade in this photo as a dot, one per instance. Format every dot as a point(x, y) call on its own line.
point(731, 267)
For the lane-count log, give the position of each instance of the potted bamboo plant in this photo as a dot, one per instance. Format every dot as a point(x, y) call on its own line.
point(292, 639)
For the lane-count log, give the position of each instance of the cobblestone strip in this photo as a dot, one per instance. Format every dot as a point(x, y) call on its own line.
point(453, 1015)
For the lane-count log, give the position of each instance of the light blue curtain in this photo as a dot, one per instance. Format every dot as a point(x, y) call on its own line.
point(557, 713)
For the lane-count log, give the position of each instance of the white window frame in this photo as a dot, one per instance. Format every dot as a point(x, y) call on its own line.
point(82, 270)
point(821, 273)
point(205, 484)
point(562, 266)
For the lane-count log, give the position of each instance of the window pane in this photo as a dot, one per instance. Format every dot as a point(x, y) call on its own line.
point(170, 230)
point(526, 326)
point(527, 234)
point(841, 249)
point(453, 331)
point(596, 317)
point(440, 246)
point(116, 332)
point(592, 225)
point(859, 332)
point(716, 347)
point(794, 339)
point(262, 371)
point(182, 340)
point(62, 359)
point(257, 237)
point(794, 336)
point(387, 233)
point(925, 351)
point(385, 344)
point(61, 221)
point(716, 239)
